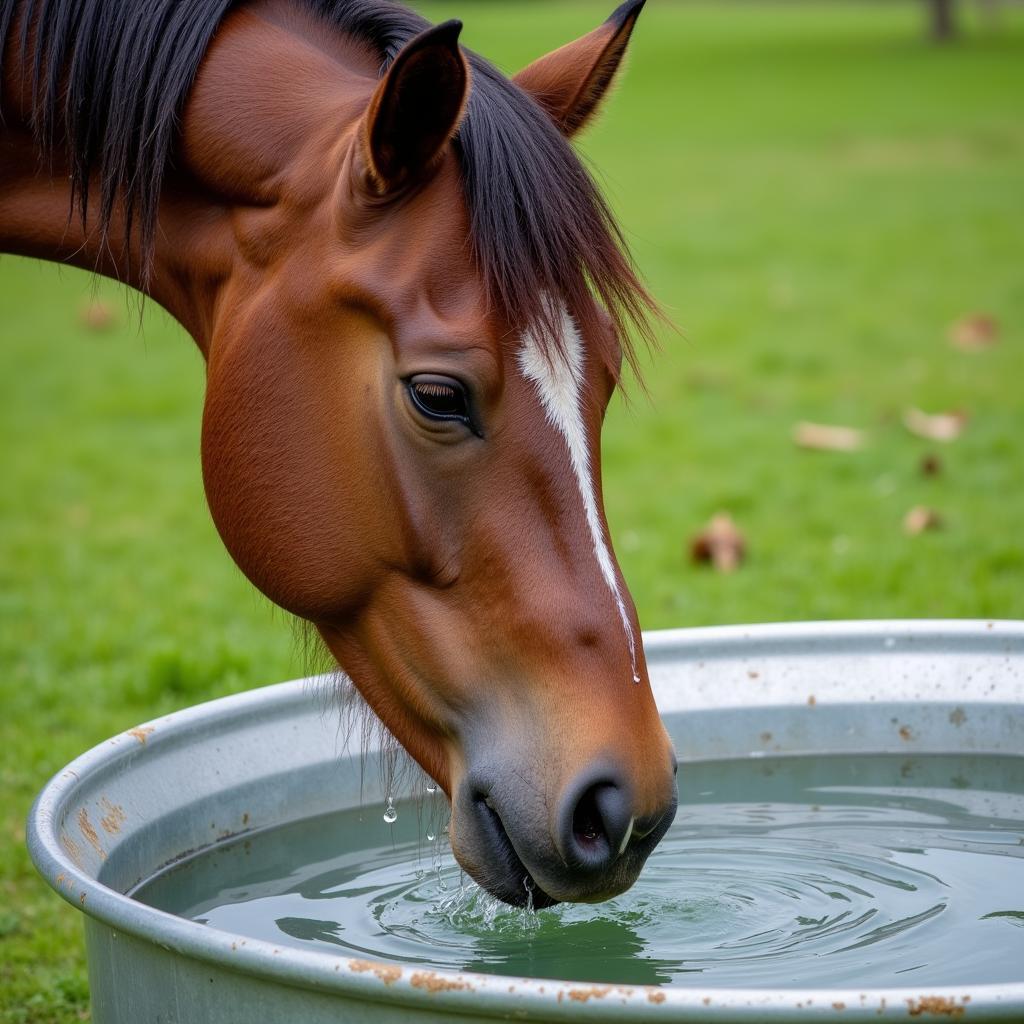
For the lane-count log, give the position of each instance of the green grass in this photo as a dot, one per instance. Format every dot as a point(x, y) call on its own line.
point(813, 193)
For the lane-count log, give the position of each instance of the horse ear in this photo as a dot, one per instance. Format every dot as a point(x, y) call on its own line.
point(569, 83)
point(415, 109)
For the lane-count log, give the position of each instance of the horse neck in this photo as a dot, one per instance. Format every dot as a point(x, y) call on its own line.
point(36, 220)
point(36, 217)
point(238, 136)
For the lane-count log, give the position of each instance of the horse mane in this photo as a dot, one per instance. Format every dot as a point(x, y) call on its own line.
point(109, 80)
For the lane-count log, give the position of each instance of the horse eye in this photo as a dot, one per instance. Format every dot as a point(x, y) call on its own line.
point(440, 398)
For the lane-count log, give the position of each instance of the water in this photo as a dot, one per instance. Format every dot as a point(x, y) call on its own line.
point(782, 872)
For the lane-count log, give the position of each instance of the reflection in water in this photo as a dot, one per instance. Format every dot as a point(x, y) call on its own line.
point(777, 873)
point(308, 930)
point(593, 943)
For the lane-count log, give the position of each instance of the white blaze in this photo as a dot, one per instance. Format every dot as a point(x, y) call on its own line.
point(559, 383)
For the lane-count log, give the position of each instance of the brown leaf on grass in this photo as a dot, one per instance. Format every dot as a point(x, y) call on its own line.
point(720, 543)
point(943, 426)
point(919, 519)
point(821, 437)
point(974, 333)
point(97, 315)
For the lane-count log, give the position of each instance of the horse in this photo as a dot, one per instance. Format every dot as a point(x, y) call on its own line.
point(414, 307)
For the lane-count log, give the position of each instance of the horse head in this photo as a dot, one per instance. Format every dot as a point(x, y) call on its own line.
point(402, 441)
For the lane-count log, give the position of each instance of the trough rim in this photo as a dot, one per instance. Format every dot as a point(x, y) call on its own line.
point(500, 996)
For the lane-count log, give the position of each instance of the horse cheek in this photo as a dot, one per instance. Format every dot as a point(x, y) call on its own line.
point(276, 487)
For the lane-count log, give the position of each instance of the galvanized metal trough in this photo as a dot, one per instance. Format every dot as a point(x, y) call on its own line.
point(119, 813)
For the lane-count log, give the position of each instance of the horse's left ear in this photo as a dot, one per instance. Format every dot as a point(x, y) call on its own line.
point(570, 82)
point(416, 109)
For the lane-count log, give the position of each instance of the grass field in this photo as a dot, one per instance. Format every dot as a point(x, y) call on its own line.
point(813, 192)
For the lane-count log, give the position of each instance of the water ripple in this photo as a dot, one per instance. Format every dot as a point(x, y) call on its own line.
point(821, 882)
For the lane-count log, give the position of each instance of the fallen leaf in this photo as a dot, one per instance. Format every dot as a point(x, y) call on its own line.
point(919, 519)
point(822, 437)
point(720, 543)
point(97, 315)
point(974, 333)
point(931, 465)
point(943, 426)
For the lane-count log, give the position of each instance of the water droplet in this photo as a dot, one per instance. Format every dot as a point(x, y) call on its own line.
point(528, 885)
point(390, 814)
point(431, 837)
point(431, 788)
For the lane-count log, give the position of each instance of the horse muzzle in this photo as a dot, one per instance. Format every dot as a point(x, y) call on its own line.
point(587, 845)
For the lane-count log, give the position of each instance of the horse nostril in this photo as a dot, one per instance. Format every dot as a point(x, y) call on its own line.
point(587, 824)
point(595, 825)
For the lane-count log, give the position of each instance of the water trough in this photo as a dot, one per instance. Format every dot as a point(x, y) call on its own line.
point(148, 797)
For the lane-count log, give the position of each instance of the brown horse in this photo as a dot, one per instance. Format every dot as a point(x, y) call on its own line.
point(414, 306)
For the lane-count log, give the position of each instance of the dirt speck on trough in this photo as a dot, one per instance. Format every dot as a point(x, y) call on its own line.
point(936, 1006)
point(437, 982)
point(388, 973)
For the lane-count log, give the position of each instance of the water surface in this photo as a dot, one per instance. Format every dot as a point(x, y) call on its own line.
point(778, 872)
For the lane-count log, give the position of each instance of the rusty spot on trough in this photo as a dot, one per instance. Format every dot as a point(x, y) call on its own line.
point(387, 973)
point(113, 818)
point(74, 852)
point(812, 700)
point(142, 733)
point(656, 997)
point(437, 983)
point(957, 717)
point(753, 675)
point(81, 899)
point(839, 1006)
point(90, 833)
point(581, 995)
point(706, 1000)
point(936, 1006)
point(906, 733)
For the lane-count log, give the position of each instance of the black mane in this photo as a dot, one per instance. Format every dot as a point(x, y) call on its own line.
point(109, 79)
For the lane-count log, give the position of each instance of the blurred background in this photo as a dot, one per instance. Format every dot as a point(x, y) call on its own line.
point(828, 197)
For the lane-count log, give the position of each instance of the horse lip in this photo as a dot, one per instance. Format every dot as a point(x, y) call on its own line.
point(541, 899)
